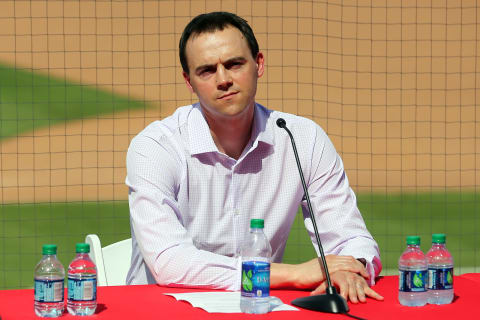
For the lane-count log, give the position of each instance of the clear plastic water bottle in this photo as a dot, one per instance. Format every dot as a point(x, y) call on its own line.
point(49, 280)
point(82, 283)
point(256, 253)
point(440, 271)
point(412, 267)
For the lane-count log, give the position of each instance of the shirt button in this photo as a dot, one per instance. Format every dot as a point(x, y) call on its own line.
point(236, 212)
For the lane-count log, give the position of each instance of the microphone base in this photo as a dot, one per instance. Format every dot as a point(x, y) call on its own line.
point(331, 303)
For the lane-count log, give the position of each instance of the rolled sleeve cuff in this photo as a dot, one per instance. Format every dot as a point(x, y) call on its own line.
point(374, 267)
point(238, 282)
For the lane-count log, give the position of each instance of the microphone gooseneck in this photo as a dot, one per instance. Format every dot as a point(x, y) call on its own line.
point(331, 301)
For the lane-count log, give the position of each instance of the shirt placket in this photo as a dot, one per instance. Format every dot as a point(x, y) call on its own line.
point(236, 212)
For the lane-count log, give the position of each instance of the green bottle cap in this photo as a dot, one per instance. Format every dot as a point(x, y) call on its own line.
point(413, 240)
point(256, 223)
point(438, 238)
point(82, 248)
point(49, 249)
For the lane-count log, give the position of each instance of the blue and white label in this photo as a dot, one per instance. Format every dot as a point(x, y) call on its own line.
point(413, 281)
point(255, 279)
point(440, 278)
point(82, 289)
point(49, 290)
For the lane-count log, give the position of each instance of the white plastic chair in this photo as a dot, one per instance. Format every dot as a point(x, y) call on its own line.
point(112, 262)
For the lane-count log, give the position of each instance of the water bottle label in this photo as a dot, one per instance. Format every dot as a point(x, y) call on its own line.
point(440, 278)
point(49, 290)
point(413, 281)
point(255, 279)
point(82, 289)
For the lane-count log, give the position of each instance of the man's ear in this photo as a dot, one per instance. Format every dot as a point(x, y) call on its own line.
point(260, 61)
point(186, 77)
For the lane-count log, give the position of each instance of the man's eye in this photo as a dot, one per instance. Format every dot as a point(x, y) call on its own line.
point(235, 65)
point(207, 71)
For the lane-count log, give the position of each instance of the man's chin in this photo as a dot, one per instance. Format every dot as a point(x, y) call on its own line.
point(228, 111)
point(235, 112)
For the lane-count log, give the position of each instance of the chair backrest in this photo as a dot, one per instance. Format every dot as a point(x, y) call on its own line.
point(112, 261)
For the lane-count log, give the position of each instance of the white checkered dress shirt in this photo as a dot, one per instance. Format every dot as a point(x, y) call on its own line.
point(190, 205)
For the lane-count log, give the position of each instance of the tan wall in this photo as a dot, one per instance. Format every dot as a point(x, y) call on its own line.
point(394, 84)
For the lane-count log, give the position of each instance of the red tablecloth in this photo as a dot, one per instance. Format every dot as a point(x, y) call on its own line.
point(148, 302)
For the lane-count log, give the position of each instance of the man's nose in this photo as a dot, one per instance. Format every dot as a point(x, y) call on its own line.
point(223, 78)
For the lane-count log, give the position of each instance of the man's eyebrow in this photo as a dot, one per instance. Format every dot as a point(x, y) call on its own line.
point(235, 59)
point(203, 67)
point(231, 60)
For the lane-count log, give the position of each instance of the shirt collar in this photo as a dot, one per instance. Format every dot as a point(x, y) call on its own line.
point(199, 135)
point(261, 130)
point(201, 140)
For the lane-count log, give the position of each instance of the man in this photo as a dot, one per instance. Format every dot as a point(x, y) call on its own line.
point(197, 177)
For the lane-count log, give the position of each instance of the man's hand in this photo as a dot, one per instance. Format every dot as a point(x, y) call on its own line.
point(350, 285)
point(309, 275)
point(345, 263)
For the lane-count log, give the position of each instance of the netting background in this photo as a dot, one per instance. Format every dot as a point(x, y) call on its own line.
point(393, 83)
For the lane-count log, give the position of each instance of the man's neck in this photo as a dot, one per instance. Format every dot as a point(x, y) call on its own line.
point(231, 135)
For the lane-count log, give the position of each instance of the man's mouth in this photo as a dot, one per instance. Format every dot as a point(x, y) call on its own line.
point(227, 95)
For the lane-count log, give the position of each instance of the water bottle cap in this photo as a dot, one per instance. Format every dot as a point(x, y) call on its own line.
point(413, 240)
point(49, 249)
point(82, 248)
point(256, 223)
point(438, 238)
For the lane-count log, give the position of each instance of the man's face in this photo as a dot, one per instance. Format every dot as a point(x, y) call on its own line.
point(222, 72)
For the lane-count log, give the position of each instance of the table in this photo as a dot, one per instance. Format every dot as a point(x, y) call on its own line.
point(148, 302)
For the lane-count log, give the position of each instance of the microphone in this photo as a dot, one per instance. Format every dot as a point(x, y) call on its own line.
point(331, 301)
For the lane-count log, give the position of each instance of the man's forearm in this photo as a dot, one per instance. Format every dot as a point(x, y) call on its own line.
point(283, 275)
point(309, 275)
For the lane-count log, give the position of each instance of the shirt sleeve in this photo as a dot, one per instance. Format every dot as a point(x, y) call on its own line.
point(339, 222)
point(154, 174)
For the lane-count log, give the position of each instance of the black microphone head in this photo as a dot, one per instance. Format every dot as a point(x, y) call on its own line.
point(281, 123)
